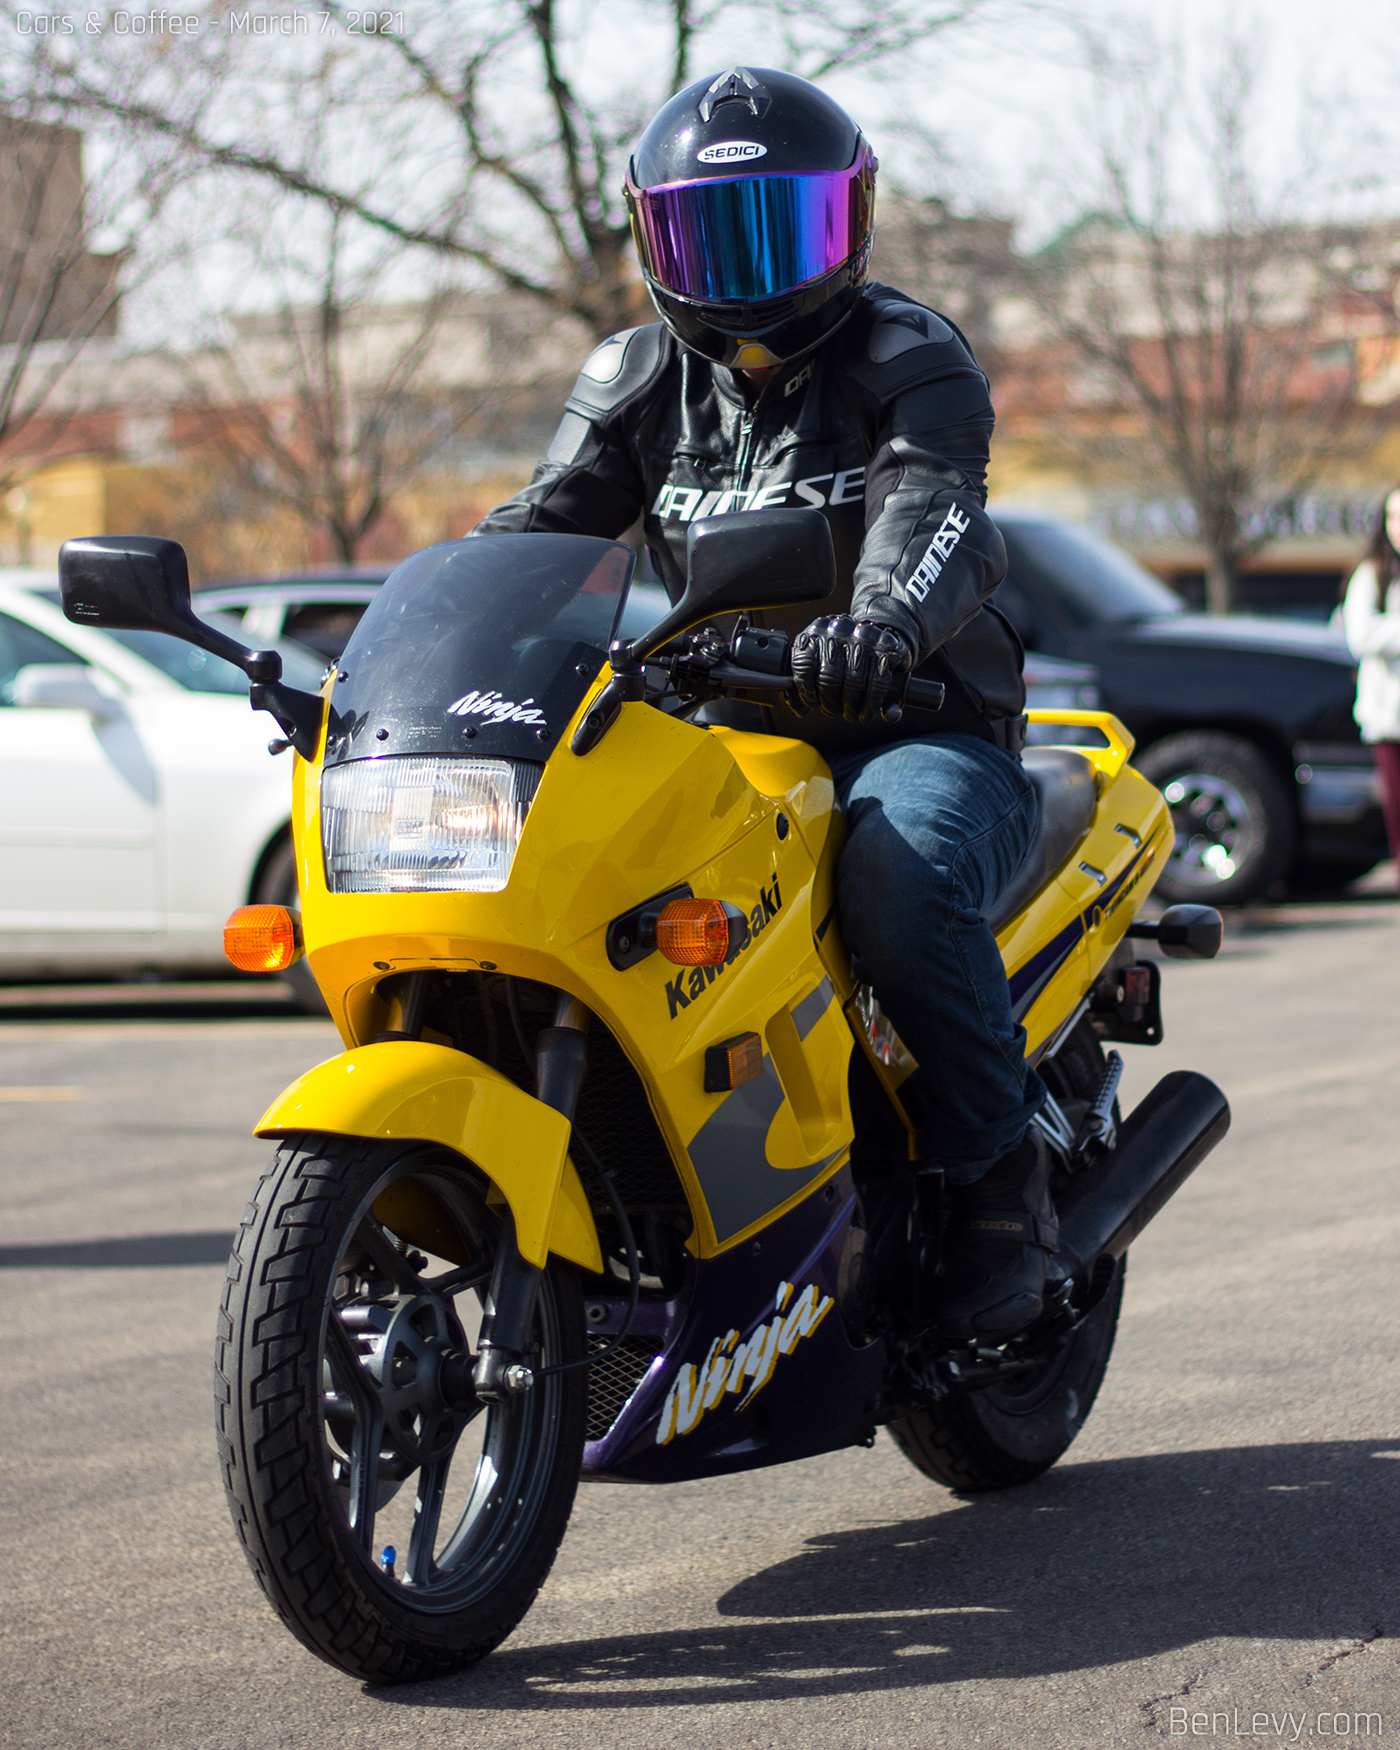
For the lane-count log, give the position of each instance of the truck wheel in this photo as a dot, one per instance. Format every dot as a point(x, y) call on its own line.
point(279, 887)
point(1236, 827)
point(399, 1526)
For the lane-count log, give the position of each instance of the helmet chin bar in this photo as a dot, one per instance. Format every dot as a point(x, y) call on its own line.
point(751, 337)
point(753, 355)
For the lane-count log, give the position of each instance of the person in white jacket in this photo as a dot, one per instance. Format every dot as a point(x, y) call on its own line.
point(1371, 620)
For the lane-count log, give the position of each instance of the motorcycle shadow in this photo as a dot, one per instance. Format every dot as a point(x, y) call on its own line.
point(1093, 1565)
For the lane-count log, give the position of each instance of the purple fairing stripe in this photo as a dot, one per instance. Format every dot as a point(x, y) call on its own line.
point(810, 1389)
point(1029, 980)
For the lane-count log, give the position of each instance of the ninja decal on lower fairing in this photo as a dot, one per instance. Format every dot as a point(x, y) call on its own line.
point(727, 1369)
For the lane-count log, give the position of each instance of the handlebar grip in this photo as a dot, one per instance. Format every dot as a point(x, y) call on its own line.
point(925, 695)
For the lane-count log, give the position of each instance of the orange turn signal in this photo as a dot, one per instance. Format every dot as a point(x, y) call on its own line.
point(733, 1062)
point(261, 938)
point(694, 932)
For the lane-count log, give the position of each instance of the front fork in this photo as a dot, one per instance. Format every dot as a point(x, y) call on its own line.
point(501, 1371)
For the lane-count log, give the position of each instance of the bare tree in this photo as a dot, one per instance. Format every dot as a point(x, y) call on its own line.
point(1196, 295)
point(518, 153)
point(337, 399)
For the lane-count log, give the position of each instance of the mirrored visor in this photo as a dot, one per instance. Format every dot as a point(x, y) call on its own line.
point(748, 238)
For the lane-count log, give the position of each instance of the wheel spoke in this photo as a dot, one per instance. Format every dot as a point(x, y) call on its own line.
point(368, 1433)
point(432, 1486)
point(486, 1485)
point(387, 1256)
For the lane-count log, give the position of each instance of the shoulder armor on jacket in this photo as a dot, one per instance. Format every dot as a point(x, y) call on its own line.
point(895, 344)
point(615, 371)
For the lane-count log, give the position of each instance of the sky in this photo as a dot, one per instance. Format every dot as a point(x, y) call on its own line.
point(1004, 99)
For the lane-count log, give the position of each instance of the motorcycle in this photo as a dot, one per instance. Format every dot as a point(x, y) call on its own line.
point(582, 1196)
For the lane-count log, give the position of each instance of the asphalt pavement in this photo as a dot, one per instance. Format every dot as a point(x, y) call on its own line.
point(1216, 1557)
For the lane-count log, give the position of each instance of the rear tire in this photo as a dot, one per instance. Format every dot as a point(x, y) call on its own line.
point(337, 1433)
point(1235, 820)
point(999, 1436)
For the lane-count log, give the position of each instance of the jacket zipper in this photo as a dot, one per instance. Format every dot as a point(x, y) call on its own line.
point(746, 425)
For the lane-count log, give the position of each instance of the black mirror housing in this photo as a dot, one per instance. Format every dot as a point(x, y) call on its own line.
point(748, 559)
point(141, 583)
point(759, 559)
point(137, 583)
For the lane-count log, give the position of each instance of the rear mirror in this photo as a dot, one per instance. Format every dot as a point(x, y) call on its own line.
point(748, 560)
point(141, 583)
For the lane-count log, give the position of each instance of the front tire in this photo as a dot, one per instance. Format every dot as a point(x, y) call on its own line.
point(345, 1425)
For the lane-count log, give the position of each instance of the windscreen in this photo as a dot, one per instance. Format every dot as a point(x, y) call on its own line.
point(1093, 581)
point(483, 646)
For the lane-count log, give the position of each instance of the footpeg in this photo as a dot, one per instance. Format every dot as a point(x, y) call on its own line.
point(1097, 1129)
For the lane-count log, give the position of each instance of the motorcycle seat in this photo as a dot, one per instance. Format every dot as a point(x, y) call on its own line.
point(1068, 797)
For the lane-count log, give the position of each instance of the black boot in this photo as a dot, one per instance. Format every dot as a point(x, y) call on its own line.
point(1003, 1235)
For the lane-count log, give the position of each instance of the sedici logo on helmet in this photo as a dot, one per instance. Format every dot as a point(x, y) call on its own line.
point(728, 151)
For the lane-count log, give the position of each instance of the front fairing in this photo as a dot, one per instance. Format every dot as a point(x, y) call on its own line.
point(657, 803)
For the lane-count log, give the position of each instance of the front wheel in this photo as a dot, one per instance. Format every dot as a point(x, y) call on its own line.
point(399, 1526)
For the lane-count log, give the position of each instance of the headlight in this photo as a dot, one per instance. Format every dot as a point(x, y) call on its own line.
point(423, 824)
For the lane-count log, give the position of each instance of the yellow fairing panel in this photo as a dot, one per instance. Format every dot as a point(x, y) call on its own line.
point(429, 1093)
point(1056, 948)
point(654, 799)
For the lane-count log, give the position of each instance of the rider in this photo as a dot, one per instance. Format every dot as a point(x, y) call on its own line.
point(778, 376)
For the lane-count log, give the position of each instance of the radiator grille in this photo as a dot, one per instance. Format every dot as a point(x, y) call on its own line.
point(613, 1111)
point(613, 1380)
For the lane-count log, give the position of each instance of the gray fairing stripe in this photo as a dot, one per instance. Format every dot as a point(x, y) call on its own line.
point(729, 1154)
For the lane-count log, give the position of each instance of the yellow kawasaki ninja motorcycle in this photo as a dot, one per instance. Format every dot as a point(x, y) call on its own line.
point(581, 1195)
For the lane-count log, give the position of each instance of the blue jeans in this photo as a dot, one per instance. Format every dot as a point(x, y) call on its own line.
point(935, 830)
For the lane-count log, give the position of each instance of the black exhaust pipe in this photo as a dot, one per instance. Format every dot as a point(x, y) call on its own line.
point(1161, 1143)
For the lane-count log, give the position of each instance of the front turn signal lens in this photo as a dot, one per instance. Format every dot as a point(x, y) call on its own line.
point(694, 932)
point(261, 938)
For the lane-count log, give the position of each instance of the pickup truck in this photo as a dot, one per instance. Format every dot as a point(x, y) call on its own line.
point(1244, 723)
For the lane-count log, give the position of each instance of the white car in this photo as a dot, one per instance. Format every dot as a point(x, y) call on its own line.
point(139, 805)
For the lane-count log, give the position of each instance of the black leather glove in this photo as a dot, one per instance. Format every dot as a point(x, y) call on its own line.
point(851, 668)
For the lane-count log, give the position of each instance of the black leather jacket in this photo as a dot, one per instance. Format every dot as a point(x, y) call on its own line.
point(885, 428)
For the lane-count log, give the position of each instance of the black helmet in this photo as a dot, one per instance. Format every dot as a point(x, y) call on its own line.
point(752, 198)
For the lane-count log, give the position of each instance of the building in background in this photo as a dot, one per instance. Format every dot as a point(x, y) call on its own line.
point(52, 286)
point(205, 445)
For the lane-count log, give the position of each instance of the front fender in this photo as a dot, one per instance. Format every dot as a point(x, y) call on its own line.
point(409, 1090)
